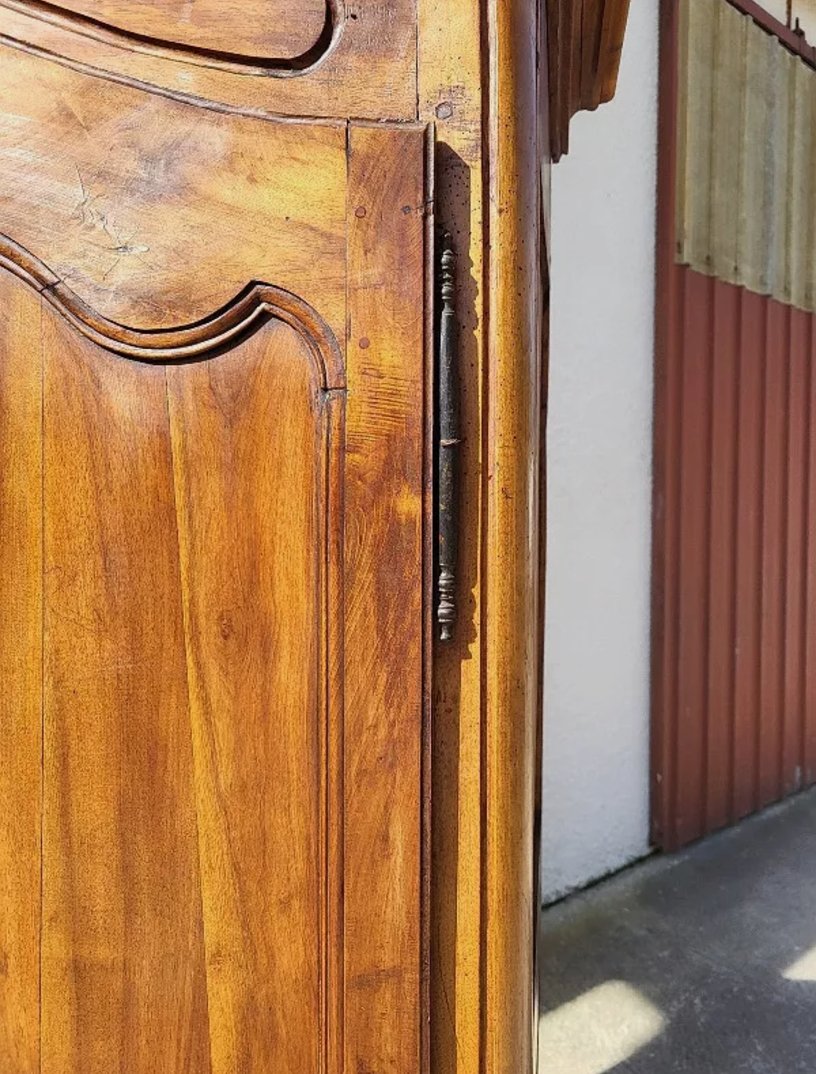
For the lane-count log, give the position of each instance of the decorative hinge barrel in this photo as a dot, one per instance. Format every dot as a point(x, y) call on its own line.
point(449, 439)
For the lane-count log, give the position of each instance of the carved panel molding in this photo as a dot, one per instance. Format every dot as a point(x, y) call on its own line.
point(246, 311)
point(146, 28)
point(360, 63)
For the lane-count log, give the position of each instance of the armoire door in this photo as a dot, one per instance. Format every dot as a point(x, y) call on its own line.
point(213, 505)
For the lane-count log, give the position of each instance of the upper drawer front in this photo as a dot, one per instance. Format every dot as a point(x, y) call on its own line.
point(262, 29)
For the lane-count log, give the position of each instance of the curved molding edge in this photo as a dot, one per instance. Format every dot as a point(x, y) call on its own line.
point(248, 310)
point(105, 33)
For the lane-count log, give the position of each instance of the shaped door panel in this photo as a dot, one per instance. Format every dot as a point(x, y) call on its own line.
point(255, 29)
point(332, 61)
point(213, 510)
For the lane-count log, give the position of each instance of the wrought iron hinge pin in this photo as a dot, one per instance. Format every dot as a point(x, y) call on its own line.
point(448, 444)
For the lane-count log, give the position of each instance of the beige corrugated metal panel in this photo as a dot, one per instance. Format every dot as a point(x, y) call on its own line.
point(811, 296)
point(777, 204)
point(802, 187)
point(698, 21)
point(756, 187)
point(728, 97)
point(782, 77)
point(681, 235)
point(746, 205)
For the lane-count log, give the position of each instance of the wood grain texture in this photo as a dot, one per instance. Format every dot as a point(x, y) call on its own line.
point(157, 214)
point(486, 682)
point(156, 210)
point(514, 428)
point(183, 839)
point(124, 976)
point(21, 674)
point(384, 660)
point(203, 796)
point(586, 39)
point(206, 337)
point(250, 434)
point(450, 36)
point(369, 70)
point(254, 29)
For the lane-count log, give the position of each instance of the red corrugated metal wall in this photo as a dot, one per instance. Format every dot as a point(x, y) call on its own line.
point(734, 611)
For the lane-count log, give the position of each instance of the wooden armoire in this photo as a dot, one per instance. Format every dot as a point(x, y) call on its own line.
point(272, 298)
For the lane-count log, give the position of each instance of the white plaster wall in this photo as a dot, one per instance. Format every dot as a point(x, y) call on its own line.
point(803, 10)
point(596, 713)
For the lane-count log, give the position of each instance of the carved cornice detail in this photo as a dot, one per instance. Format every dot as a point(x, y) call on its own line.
point(105, 33)
point(248, 310)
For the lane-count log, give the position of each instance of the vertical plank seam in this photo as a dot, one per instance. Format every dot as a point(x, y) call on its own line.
point(487, 37)
point(667, 359)
point(735, 480)
point(709, 357)
point(710, 215)
point(42, 683)
point(674, 732)
point(338, 1030)
point(805, 553)
point(807, 584)
point(782, 715)
point(321, 508)
point(427, 545)
point(760, 669)
point(187, 669)
point(342, 567)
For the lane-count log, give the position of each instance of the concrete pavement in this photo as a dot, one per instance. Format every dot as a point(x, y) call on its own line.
point(702, 962)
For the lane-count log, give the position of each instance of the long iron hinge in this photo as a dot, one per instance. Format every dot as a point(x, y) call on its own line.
point(449, 439)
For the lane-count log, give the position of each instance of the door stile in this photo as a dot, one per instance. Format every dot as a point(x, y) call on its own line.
point(385, 576)
point(21, 709)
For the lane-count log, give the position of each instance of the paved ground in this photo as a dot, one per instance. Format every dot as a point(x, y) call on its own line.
point(701, 963)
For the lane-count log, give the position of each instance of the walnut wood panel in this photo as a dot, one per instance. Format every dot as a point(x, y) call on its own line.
point(123, 959)
point(363, 65)
point(249, 433)
point(21, 673)
point(214, 122)
point(226, 572)
point(514, 430)
point(256, 29)
point(450, 93)
point(386, 661)
point(585, 43)
point(156, 213)
point(480, 78)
